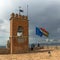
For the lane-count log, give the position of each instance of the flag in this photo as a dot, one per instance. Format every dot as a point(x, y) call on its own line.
point(41, 31)
point(21, 10)
point(38, 32)
point(44, 32)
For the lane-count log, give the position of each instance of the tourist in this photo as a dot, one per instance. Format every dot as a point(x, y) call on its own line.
point(49, 53)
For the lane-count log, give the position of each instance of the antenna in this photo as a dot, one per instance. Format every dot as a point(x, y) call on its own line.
point(19, 10)
point(27, 10)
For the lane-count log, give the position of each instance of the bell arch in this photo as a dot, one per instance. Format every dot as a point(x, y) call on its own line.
point(20, 31)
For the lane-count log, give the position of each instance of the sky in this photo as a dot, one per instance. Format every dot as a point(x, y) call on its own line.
point(41, 13)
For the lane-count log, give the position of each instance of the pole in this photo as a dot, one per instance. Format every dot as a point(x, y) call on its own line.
point(19, 10)
point(27, 10)
point(10, 44)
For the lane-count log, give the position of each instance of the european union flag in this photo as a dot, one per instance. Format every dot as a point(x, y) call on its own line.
point(38, 32)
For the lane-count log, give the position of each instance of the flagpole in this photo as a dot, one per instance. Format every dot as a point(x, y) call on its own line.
point(27, 10)
point(19, 10)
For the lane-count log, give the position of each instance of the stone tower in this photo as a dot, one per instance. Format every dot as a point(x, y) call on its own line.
point(18, 33)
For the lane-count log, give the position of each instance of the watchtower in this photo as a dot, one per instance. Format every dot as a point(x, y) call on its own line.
point(18, 33)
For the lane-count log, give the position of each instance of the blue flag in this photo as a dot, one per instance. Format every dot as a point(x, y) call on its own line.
point(38, 32)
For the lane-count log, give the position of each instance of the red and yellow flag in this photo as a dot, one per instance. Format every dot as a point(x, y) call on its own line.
point(44, 32)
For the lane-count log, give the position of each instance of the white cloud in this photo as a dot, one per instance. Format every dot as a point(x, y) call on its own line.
point(37, 14)
point(5, 25)
point(4, 32)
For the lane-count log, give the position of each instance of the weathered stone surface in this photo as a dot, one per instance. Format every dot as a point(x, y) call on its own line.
point(15, 45)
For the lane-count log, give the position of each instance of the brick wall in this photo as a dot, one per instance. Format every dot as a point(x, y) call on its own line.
point(4, 51)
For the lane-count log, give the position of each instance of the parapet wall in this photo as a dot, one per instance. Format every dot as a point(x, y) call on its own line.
point(4, 51)
point(13, 15)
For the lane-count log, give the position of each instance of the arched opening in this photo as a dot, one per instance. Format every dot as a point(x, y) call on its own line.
point(20, 31)
point(20, 34)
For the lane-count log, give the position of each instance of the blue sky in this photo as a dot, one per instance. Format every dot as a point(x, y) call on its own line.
point(41, 13)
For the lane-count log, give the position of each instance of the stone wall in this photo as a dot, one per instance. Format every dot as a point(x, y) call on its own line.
point(4, 51)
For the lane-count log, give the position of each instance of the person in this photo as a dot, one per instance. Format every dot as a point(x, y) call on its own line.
point(38, 45)
point(49, 53)
point(32, 46)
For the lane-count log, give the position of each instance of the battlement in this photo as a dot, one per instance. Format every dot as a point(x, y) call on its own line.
point(13, 15)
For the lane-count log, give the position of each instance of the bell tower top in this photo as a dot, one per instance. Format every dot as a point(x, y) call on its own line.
point(21, 17)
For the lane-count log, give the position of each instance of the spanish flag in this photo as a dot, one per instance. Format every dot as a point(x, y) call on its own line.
point(41, 31)
point(46, 33)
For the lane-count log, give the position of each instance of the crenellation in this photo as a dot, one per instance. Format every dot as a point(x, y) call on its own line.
point(12, 15)
point(22, 17)
point(16, 15)
point(25, 17)
point(19, 16)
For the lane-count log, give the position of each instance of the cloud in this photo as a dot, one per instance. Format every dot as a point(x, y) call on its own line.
point(42, 13)
point(4, 31)
point(48, 17)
